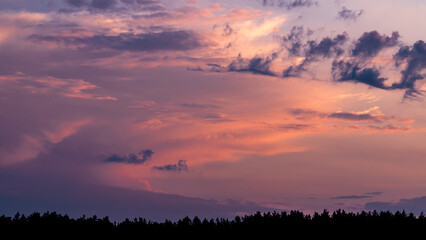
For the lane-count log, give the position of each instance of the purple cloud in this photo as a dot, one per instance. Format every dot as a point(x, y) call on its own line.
point(412, 205)
point(169, 40)
point(347, 14)
point(131, 158)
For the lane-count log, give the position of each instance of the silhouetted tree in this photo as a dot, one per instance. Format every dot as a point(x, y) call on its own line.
point(263, 225)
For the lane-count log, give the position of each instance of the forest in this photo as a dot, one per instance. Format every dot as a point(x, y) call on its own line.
point(284, 225)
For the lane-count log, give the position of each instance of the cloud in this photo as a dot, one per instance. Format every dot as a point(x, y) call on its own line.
point(132, 158)
point(288, 127)
point(293, 41)
point(367, 47)
point(414, 205)
point(103, 5)
point(177, 167)
point(347, 14)
point(32, 189)
point(371, 43)
point(305, 113)
point(256, 65)
point(199, 106)
point(296, 46)
point(415, 59)
point(156, 41)
point(92, 4)
point(31, 145)
point(227, 30)
point(293, 71)
point(77, 3)
point(351, 71)
point(390, 127)
point(371, 119)
point(353, 63)
point(349, 116)
point(327, 47)
point(290, 4)
point(352, 197)
point(354, 116)
point(140, 1)
point(312, 50)
point(143, 5)
point(73, 88)
point(374, 193)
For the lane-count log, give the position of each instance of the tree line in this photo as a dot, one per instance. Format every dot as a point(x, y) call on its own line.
point(286, 225)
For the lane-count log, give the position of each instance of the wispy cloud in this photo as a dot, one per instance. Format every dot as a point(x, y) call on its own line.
point(352, 197)
point(168, 40)
point(290, 4)
point(348, 14)
point(73, 88)
point(177, 167)
point(131, 158)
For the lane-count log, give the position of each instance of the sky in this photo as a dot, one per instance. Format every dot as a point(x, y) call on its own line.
point(166, 109)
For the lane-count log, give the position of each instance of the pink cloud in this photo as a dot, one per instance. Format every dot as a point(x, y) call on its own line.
point(30, 146)
point(74, 88)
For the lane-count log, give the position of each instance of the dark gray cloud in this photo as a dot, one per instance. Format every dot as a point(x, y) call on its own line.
point(415, 59)
point(310, 50)
point(347, 14)
point(168, 40)
point(227, 30)
point(177, 167)
point(296, 46)
point(327, 47)
point(293, 41)
point(354, 116)
point(352, 197)
point(358, 66)
point(365, 48)
point(414, 205)
point(371, 43)
point(349, 116)
point(351, 71)
point(131, 158)
point(256, 65)
point(293, 71)
point(290, 4)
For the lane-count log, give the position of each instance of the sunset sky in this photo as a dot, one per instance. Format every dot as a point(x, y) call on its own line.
point(162, 109)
